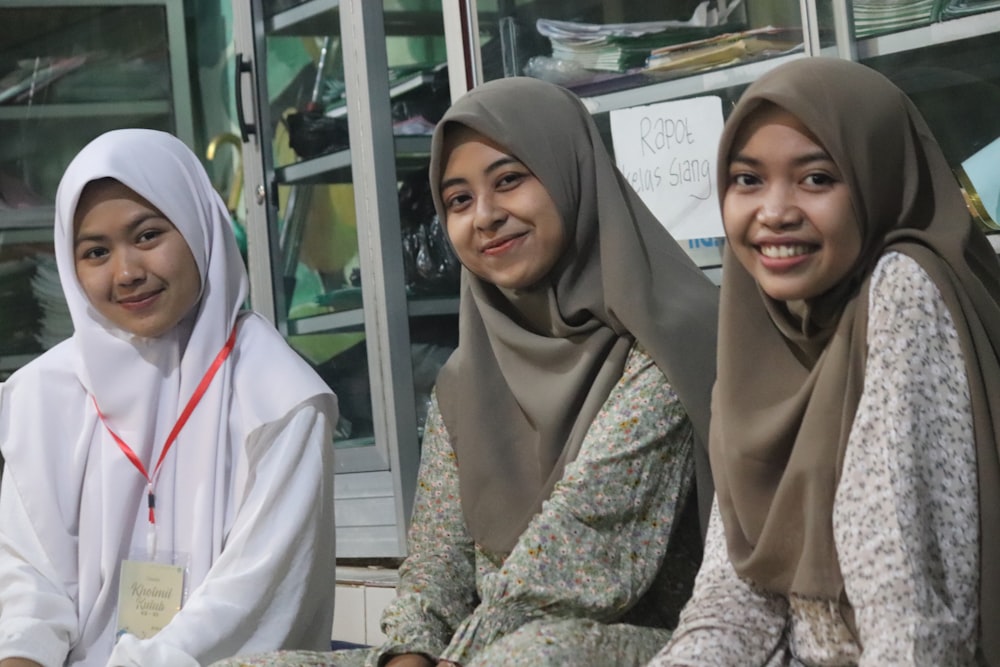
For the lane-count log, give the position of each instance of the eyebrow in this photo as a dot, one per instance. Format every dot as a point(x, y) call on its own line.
point(815, 156)
point(493, 166)
point(97, 238)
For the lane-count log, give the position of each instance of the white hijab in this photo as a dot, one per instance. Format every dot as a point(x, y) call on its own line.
point(94, 496)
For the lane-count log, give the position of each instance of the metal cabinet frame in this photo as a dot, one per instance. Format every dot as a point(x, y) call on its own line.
point(369, 479)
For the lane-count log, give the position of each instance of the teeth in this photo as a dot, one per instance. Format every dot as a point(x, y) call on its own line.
point(782, 251)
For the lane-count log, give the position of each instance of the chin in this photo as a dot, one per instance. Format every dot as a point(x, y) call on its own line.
point(785, 293)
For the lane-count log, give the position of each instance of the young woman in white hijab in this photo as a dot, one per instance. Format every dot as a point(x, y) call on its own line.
point(173, 427)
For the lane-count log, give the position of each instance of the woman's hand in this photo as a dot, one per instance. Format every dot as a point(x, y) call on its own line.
point(404, 660)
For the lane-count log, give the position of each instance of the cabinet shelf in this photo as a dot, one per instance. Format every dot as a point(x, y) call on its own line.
point(431, 306)
point(348, 320)
point(34, 219)
point(38, 235)
point(942, 32)
point(314, 170)
point(325, 168)
point(316, 18)
point(311, 17)
point(697, 83)
point(353, 320)
point(84, 110)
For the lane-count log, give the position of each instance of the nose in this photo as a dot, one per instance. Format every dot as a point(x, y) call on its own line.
point(777, 208)
point(128, 268)
point(489, 213)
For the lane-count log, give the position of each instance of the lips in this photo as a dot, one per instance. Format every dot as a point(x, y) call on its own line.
point(497, 246)
point(138, 300)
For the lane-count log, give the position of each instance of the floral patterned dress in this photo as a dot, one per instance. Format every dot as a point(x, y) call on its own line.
point(905, 517)
point(591, 580)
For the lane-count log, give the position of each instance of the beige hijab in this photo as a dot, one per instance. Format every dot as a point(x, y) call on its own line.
point(783, 413)
point(533, 367)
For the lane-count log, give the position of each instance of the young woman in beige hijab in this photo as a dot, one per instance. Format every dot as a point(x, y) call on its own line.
point(557, 456)
point(854, 434)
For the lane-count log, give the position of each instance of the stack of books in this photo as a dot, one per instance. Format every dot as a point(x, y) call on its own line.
point(877, 17)
point(726, 49)
point(956, 8)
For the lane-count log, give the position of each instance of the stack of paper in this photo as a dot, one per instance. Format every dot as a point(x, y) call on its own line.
point(876, 17)
point(726, 49)
point(619, 47)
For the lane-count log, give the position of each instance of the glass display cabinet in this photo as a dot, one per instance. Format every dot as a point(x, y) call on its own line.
point(950, 70)
point(69, 71)
point(337, 101)
point(624, 54)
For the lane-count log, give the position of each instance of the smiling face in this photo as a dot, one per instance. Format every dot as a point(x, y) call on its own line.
point(503, 223)
point(787, 211)
point(133, 264)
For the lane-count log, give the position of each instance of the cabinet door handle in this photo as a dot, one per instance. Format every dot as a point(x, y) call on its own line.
point(246, 129)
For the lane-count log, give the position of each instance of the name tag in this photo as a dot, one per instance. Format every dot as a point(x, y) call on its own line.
point(149, 595)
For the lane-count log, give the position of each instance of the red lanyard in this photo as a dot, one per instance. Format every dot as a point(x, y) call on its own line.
point(188, 409)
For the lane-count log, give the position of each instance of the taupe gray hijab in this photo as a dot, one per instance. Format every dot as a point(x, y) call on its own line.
point(533, 367)
point(783, 411)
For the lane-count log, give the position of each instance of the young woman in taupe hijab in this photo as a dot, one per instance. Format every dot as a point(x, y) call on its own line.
point(546, 524)
point(854, 437)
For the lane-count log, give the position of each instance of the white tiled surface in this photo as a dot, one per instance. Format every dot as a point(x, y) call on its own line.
point(376, 600)
point(349, 614)
point(361, 596)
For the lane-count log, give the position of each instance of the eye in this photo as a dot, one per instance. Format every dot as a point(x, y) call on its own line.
point(744, 179)
point(93, 253)
point(819, 179)
point(149, 235)
point(456, 201)
point(510, 180)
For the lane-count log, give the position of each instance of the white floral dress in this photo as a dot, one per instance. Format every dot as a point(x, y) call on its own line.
point(905, 519)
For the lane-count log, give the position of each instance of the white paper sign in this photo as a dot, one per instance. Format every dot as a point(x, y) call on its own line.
point(667, 152)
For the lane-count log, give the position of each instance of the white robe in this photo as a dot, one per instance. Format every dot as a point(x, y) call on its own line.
point(245, 493)
point(270, 577)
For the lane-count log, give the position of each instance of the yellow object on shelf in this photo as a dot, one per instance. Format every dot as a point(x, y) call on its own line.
point(979, 177)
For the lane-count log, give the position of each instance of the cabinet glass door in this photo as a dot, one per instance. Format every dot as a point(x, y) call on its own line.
point(69, 72)
point(314, 233)
point(944, 55)
point(600, 47)
point(345, 253)
point(328, 260)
